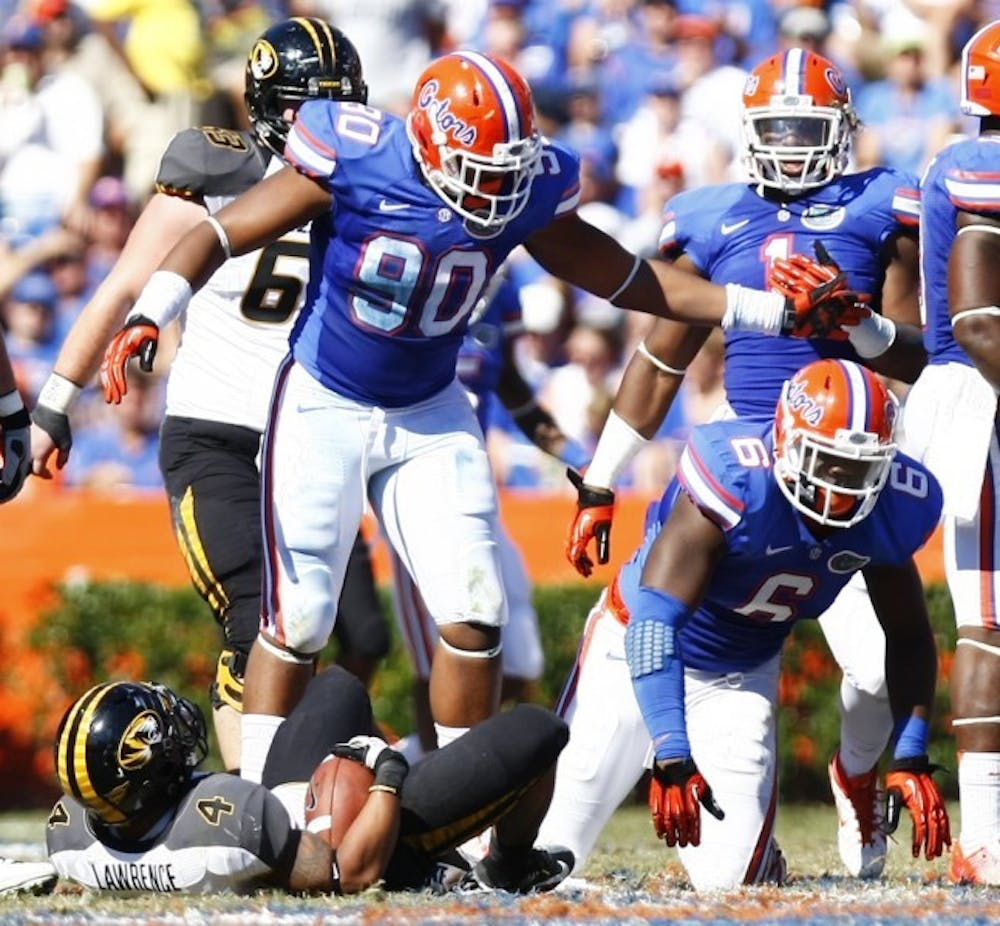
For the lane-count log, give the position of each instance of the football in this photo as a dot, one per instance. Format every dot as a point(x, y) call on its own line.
point(337, 791)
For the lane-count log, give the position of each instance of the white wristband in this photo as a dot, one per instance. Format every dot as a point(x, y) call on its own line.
point(59, 393)
point(985, 310)
point(10, 403)
point(618, 444)
point(163, 298)
point(872, 336)
point(753, 310)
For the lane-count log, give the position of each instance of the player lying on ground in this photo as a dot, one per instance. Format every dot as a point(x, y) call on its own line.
point(137, 815)
point(764, 525)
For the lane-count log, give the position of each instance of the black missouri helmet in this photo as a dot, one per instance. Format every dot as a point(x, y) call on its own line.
point(299, 59)
point(127, 749)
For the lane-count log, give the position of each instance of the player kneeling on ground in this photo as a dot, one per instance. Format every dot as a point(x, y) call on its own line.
point(137, 815)
point(763, 526)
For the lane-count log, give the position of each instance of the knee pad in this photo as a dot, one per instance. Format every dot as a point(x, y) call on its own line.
point(227, 687)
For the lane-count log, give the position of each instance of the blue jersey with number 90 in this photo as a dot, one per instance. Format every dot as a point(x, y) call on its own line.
point(394, 272)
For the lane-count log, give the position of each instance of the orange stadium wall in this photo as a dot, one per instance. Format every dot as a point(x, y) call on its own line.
point(51, 535)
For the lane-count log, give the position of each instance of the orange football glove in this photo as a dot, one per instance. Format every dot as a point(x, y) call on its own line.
point(595, 510)
point(819, 302)
point(675, 792)
point(908, 782)
point(138, 338)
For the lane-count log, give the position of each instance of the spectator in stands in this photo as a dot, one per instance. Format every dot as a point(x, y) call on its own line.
point(121, 450)
point(29, 320)
point(51, 138)
point(658, 134)
point(396, 39)
point(711, 89)
point(112, 222)
point(164, 51)
point(907, 117)
point(649, 54)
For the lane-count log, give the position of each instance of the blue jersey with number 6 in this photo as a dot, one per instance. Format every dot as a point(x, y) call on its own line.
point(395, 273)
point(775, 572)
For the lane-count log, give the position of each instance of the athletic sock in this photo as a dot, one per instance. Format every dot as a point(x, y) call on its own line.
point(865, 728)
point(979, 799)
point(257, 734)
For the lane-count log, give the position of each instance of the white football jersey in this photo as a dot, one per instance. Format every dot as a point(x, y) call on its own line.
point(235, 330)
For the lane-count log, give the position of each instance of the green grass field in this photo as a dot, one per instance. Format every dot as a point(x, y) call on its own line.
point(629, 878)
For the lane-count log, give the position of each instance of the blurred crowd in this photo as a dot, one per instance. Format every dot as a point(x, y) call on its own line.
point(646, 91)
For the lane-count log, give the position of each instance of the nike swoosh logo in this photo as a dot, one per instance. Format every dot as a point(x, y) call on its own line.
point(770, 551)
point(728, 229)
point(384, 206)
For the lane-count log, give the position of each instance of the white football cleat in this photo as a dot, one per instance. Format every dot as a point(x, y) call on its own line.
point(861, 834)
point(980, 867)
point(20, 877)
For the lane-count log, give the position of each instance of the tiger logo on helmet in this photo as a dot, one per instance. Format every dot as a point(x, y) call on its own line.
point(126, 749)
point(299, 59)
point(472, 129)
point(834, 441)
point(980, 73)
point(798, 122)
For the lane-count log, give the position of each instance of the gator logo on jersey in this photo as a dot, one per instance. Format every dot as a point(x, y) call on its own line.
point(263, 60)
point(440, 113)
point(845, 562)
point(821, 218)
point(135, 746)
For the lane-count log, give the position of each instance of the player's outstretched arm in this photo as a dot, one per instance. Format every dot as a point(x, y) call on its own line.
point(677, 572)
point(648, 388)
point(974, 292)
point(911, 671)
point(581, 254)
point(535, 421)
point(269, 209)
point(163, 221)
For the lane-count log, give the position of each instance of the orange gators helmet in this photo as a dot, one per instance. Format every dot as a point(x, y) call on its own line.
point(472, 128)
point(798, 122)
point(834, 441)
point(981, 73)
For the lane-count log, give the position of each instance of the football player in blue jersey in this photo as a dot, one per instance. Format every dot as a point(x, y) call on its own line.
point(410, 218)
point(765, 523)
point(798, 125)
point(488, 370)
point(951, 425)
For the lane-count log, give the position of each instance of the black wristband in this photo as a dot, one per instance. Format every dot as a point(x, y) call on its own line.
point(18, 419)
point(391, 769)
point(55, 424)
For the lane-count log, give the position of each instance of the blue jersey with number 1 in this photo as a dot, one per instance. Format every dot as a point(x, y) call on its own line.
point(774, 571)
point(395, 273)
point(733, 234)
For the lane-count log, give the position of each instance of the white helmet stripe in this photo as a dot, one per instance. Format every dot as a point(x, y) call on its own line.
point(860, 404)
point(506, 96)
point(794, 64)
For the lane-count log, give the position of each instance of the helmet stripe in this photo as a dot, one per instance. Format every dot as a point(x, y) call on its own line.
point(495, 77)
point(795, 60)
point(309, 26)
point(860, 401)
point(72, 753)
